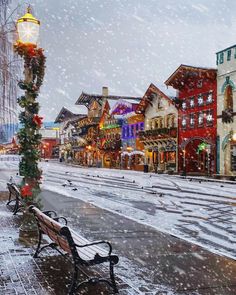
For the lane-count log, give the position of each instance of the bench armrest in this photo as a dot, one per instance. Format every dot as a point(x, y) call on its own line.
point(57, 218)
point(50, 213)
point(96, 243)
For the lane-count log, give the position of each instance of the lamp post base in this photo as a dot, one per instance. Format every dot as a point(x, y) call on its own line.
point(28, 233)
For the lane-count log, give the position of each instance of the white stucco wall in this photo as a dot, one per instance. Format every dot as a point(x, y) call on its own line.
point(227, 68)
point(153, 111)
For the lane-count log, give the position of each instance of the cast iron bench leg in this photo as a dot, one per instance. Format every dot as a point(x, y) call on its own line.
point(74, 280)
point(9, 199)
point(38, 246)
point(16, 207)
point(113, 278)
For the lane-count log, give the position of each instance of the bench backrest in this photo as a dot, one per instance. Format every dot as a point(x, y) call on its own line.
point(57, 232)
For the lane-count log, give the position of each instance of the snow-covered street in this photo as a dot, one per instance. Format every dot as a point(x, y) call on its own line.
point(197, 211)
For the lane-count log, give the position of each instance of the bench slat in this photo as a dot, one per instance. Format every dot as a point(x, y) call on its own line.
point(89, 251)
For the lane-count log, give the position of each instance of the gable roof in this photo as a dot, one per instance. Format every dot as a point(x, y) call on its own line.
point(86, 99)
point(129, 104)
point(185, 72)
point(146, 100)
point(66, 114)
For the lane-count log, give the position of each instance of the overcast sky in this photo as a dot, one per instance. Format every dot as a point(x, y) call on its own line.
point(125, 44)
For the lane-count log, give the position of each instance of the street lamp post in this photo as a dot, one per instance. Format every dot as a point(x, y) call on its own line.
point(28, 135)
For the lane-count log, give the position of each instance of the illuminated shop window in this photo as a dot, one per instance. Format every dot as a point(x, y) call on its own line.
point(200, 100)
point(171, 157)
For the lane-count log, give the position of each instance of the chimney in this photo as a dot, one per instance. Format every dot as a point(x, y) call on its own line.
point(104, 91)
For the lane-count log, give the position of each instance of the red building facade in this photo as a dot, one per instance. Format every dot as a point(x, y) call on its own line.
point(197, 118)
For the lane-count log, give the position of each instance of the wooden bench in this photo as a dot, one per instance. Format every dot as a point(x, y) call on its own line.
point(82, 251)
point(14, 196)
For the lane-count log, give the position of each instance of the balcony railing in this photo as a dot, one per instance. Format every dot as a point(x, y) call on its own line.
point(158, 133)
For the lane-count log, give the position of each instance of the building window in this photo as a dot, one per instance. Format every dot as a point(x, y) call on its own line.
point(235, 52)
point(192, 120)
point(221, 57)
point(209, 117)
point(158, 123)
point(209, 98)
point(184, 122)
point(192, 102)
point(217, 58)
point(142, 126)
point(229, 54)
point(200, 100)
point(199, 83)
point(184, 105)
point(127, 131)
point(233, 157)
point(123, 132)
point(170, 121)
point(132, 131)
point(228, 98)
point(200, 119)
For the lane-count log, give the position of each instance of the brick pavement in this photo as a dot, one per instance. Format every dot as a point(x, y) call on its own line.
point(21, 274)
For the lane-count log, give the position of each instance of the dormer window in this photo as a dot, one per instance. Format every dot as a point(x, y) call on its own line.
point(199, 83)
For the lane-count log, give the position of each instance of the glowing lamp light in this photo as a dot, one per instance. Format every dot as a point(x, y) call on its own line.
point(234, 136)
point(28, 28)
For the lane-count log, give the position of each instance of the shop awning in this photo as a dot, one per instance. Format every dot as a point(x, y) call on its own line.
point(129, 154)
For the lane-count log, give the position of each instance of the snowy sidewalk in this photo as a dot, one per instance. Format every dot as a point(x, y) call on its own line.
point(151, 263)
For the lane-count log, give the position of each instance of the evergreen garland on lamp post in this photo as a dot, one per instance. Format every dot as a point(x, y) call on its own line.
point(28, 135)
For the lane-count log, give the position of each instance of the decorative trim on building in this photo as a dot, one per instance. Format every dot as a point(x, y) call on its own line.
point(226, 140)
point(186, 142)
point(226, 83)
